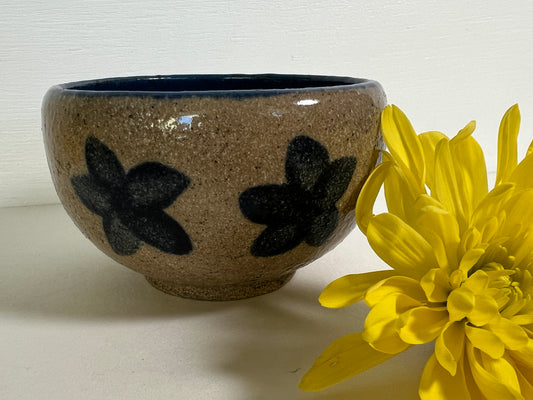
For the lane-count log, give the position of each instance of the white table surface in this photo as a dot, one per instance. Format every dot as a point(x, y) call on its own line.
point(74, 324)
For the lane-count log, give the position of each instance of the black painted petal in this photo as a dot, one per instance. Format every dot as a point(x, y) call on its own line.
point(305, 162)
point(155, 185)
point(93, 195)
point(276, 240)
point(121, 239)
point(322, 227)
point(103, 164)
point(271, 204)
point(159, 230)
point(334, 181)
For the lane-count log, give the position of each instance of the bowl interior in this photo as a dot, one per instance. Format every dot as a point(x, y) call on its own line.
point(203, 83)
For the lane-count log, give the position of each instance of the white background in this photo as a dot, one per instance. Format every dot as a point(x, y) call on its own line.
point(443, 62)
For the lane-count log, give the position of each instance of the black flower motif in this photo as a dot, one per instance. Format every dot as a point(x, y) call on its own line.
point(131, 204)
point(303, 209)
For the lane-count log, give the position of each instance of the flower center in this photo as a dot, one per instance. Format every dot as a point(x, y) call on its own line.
point(494, 287)
point(499, 277)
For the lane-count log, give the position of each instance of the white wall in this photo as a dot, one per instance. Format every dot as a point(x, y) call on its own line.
point(443, 62)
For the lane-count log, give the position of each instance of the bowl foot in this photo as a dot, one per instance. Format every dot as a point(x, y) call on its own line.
point(220, 293)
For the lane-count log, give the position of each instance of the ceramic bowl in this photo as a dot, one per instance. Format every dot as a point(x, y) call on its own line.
point(214, 187)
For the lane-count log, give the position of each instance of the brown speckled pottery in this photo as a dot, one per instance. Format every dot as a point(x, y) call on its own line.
point(214, 187)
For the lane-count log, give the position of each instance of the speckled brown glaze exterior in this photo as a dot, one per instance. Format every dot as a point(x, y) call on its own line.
point(227, 143)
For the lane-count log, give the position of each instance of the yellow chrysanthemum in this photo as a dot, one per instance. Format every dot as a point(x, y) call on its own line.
point(462, 263)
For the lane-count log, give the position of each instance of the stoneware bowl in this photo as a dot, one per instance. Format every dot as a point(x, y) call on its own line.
point(214, 187)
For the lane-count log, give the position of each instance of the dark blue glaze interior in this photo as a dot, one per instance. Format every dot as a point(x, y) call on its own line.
point(235, 85)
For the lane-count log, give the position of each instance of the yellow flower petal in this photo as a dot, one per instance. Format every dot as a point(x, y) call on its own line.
point(436, 285)
point(518, 217)
point(490, 229)
point(518, 227)
point(395, 285)
point(507, 144)
point(525, 378)
point(388, 341)
point(485, 340)
point(474, 301)
point(470, 169)
point(524, 356)
point(449, 346)
point(400, 195)
point(400, 246)
point(492, 204)
point(460, 304)
point(529, 149)
point(342, 359)
point(523, 251)
point(460, 175)
point(470, 241)
point(422, 324)
point(479, 309)
point(441, 231)
point(437, 383)
point(380, 324)
point(429, 142)
point(477, 283)
point(464, 133)
point(365, 202)
point(522, 319)
point(424, 200)
point(403, 143)
point(485, 311)
point(470, 258)
point(509, 333)
point(350, 288)
point(522, 176)
point(475, 393)
point(446, 187)
point(496, 378)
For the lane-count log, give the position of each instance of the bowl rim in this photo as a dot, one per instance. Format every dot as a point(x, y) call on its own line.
point(309, 83)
